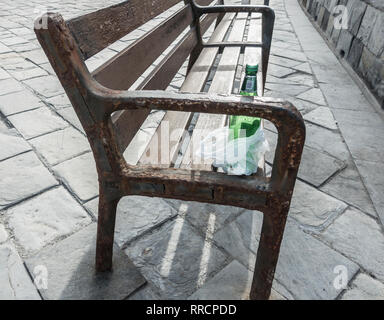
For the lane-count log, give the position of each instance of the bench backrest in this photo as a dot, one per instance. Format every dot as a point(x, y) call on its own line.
point(69, 43)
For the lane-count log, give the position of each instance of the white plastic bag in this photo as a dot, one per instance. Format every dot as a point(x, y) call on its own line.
point(235, 156)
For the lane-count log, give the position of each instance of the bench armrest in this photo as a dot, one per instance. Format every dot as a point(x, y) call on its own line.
point(286, 118)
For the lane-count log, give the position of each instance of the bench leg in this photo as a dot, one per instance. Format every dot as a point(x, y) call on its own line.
point(268, 253)
point(105, 231)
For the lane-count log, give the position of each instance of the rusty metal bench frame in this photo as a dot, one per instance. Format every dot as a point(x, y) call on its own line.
point(94, 105)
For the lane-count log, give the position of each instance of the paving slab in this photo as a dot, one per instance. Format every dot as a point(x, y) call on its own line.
point(18, 101)
point(341, 98)
point(176, 259)
point(374, 183)
point(37, 122)
point(80, 175)
point(316, 167)
point(70, 265)
point(69, 114)
point(61, 145)
point(11, 143)
point(305, 267)
point(313, 209)
point(348, 186)
point(360, 238)
point(15, 281)
point(205, 217)
point(231, 283)
point(10, 85)
point(45, 218)
point(322, 116)
point(314, 95)
point(136, 215)
point(364, 287)
point(47, 86)
point(25, 74)
point(23, 176)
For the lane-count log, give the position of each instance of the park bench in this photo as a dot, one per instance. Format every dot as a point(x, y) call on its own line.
point(111, 115)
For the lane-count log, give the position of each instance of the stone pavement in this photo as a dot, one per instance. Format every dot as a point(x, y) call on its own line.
point(333, 245)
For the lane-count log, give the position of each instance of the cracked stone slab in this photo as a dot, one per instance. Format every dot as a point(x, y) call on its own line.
point(18, 101)
point(136, 215)
point(47, 86)
point(361, 131)
point(322, 116)
point(11, 143)
point(231, 283)
point(316, 167)
point(288, 89)
point(15, 281)
point(22, 176)
point(36, 56)
point(147, 292)
point(348, 186)
point(360, 238)
point(313, 209)
point(364, 287)
point(175, 259)
point(283, 61)
point(70, 115)
point(301, 78)
point(305, 266)
point(205, 217)
point(313, 95)
point(291, 54)
point(279, 71)
point(41, 220)
point(80, 175)
point(374, 183)
point(304, 67)
point(9, 86)
point(71, 270)
point(61, 145)
point(59, 102)
point(37, 122)
point(319, 138)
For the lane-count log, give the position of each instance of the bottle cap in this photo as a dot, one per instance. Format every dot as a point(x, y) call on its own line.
point(251, 68)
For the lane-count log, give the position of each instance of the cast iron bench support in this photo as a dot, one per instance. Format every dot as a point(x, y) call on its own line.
point(69, 44)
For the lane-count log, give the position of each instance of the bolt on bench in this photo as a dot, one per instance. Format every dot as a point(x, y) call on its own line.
point(112, 115)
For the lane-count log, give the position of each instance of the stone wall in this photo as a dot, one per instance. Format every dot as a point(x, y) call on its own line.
point(356, 30)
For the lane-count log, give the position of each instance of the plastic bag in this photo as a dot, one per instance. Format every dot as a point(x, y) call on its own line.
point(235, 156)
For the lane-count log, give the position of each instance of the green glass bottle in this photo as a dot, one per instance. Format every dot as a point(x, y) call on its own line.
point(248, 88)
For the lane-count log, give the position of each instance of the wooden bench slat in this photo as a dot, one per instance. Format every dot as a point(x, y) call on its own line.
point(127, 122)
point(97, 30)
point(125, 68)
point(221, 83)
point(179, 121)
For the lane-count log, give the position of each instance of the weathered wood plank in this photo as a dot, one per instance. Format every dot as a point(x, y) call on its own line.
point(125, 68)
point(221, 83)
point(195, 81)
point(97, 30)
point(127, 122)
